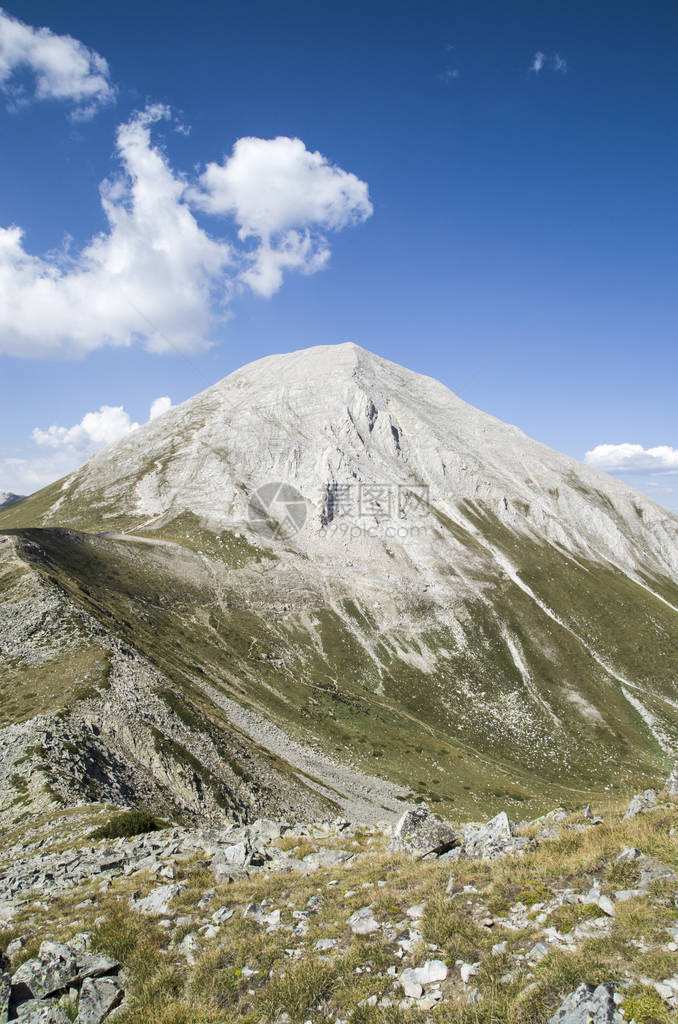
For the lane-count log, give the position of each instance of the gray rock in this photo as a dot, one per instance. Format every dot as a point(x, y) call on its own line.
point(326, 858)
point(267, 830)
point(92, 965)
point(52, 971)
point(189, 948)
point(492, 840)
point(420, 832)
point(431, 971)
point(5, 988)
point(641, 802)
point(628, 855)
point(14, 947)
point(260, 915)
point(41, 1011)
point(222, 915)
point(410, 984)
point(468, 971)
point(671, 787)
point(363, 922)
point(588, 1005)
point(98, 996)
point(238, 855)
point(652, 870)
point(224, 870)
point(158, 900)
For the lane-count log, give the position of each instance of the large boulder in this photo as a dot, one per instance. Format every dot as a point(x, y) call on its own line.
point(420, 832)
point(53, 970)
point(496, 838)
point(98, 997)
point(588, 1005)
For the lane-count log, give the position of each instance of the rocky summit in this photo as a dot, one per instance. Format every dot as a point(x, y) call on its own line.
point(326, 697)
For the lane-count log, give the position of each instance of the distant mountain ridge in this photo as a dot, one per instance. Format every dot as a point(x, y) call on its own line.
point(330, 548)
point(7, 499)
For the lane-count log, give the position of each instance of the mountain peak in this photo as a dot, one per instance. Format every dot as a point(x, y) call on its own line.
point(344, 546)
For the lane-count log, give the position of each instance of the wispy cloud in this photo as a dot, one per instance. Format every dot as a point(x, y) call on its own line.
point(449, 75)
point(541, 61)
point(58, 68)
point(633, 458)
point(538, 62)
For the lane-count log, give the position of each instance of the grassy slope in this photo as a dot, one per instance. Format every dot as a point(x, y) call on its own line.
point(326, 673)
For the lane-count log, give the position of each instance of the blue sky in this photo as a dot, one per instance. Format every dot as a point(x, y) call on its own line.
point(499, 182)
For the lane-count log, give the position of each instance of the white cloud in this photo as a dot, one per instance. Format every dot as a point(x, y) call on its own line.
point(63, 68)
point(68, 447)
point(26, 475)
point(155, 256)
point(95, 430)
point(160, 406)
point(449, 74)
point(538, 62)
point(283, 197)
point(554, 63)
point(633, 458)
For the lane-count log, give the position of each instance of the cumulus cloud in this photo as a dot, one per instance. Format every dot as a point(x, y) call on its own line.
point(61, 68)
point(95, 430)
point(153, 255)
point(633, 458)
point(283, 198)
point(160, 406)
point(63, 449)
point(553, 63)
point(155, 258)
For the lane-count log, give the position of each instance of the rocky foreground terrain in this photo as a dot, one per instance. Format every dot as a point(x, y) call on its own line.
point(567, 919)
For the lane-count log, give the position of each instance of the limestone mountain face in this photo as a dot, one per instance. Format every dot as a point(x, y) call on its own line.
point(390, 593)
